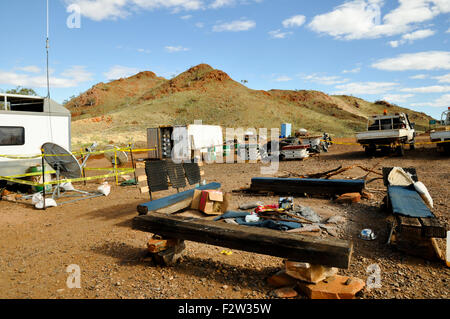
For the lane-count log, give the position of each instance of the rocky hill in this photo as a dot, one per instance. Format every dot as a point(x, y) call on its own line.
point(121, 110)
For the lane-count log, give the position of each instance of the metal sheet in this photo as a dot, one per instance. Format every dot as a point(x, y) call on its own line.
point(192, 171)
point(406, 201)
point(176, 174)
point(156, 172)
point(153, 143)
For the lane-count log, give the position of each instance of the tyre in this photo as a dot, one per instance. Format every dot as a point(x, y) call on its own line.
point(400, 151)
point(412, 146)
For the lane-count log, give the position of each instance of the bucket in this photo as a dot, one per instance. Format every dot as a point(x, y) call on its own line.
point(38, 179)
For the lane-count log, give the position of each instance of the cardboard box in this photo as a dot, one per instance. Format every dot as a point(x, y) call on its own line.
point(196, 199)
point(210, 202)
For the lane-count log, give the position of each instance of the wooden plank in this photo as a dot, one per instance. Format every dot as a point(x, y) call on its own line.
point(295, 247)
point(172, 199)
point(306, 185)
point(176, 207)
point(144, 189)
point(140, 165)
point(432, 228)
point(142, 178)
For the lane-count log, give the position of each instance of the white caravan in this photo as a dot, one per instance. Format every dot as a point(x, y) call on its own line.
point(26, 123)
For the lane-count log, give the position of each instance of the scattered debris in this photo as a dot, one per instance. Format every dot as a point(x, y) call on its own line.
point(367, 234)
point(281, 279)
point(309, 272)
point(336, 287)
point(285, 293)
point(349, 198)
point(336, 219)
point(248, 206)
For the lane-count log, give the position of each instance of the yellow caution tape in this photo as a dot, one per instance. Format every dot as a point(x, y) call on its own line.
point(77, 153)
point(421, 143)
point(14, 179)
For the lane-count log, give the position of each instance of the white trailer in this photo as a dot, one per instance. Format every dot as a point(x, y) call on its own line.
point(26, 123)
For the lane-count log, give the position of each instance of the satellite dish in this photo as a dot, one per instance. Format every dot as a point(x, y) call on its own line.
point(122, 157)
point(66, 164)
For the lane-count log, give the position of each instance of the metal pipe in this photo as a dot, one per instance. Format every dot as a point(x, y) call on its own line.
point(43, 176)
point(132, 164)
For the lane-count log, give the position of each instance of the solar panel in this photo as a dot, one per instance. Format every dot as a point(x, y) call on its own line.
point(176, 174)
point(156, 172)
point(192, 171)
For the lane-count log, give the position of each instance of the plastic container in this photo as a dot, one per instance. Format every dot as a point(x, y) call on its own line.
point(38, 179)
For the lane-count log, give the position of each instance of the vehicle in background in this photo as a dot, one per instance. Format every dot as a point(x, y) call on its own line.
point(388, 133)
point(442, 134)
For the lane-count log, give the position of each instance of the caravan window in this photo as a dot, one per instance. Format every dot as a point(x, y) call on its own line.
point(12, 135)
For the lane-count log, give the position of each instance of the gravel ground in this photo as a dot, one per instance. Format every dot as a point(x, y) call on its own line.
point(37, 246)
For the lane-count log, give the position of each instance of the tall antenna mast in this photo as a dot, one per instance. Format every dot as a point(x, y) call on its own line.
point(47, 46)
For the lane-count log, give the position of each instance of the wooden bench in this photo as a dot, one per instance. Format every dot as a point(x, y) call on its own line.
point(412, 226)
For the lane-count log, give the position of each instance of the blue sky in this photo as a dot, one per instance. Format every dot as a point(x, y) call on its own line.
point(373, 49)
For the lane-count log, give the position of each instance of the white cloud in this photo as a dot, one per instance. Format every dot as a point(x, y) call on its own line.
point(429, 60)
point(222, 3)
point(443, 78)
point(186, 17)
point(448, 31)
point(175, 5)
point(172, 49)
point(411, 37)
point(325, 80)
point(69, 78)
point(216, 4)
point(119, 71)
point(362, 19)
point(200, 25)
point(357, 88)
point(235, 26)
point(283, 78)
point(30, 69)
point(98, 10)
point(394, 44)
point(295, 21)
point(428, 89)
point(355, 70)
point(419, 34)
point(144, 51)
point(442, 101)
point(278, 34)
point(419, 77)
point(397, 98)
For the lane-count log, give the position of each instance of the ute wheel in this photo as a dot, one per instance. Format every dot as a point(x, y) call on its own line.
point(400, 150)
point(370, 151)
point(412, 146)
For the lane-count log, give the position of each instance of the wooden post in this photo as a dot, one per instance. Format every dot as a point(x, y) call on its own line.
point(132, 164)
point(115, 167)
point(83, 170)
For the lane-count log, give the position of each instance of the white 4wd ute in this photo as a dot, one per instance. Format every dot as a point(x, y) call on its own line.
point(388, 132)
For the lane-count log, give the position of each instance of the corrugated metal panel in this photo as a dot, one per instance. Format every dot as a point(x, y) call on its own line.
point(407, 202)
point(153, 142)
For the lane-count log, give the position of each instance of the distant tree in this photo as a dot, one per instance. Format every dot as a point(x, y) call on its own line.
point(22, 91)
point(244, 82)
